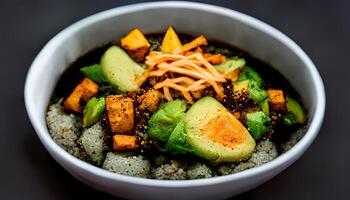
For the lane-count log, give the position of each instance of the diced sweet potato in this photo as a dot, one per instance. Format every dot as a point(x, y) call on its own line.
point(136, 44)
point(85, 90)
point(124, 142)
point(277, 100)
point(215, 59)
point(149, 100)
point(171, 42)
point(199, 41)
point(120, 111)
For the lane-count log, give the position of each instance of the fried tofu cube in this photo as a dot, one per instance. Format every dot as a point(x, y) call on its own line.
point(149, 100)
point(125, 142)
point(136, 44)
point(215, 59)
point(84, 91)
point(277, 100)
point(120, 111)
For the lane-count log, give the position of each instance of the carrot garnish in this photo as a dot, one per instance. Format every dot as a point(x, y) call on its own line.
point(193, 71)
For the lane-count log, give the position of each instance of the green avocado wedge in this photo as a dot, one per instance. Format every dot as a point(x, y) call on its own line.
point(215, 134)
point(120, 70)
point(296, 109)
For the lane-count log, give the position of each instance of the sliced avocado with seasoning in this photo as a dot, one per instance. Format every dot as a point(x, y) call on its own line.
point(215, 134)
point(295, 108)
point(120, 70)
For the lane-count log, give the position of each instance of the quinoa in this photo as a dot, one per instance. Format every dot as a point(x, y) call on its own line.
point(159, 160)
point(294, 138)
point(93, 141)
point(64, 129)
point(199, 170)
point(225, 169)
point(127, 164)
point(264, 152)
point(173, 171)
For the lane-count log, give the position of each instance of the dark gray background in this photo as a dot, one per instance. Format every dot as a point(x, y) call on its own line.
point(321, 28)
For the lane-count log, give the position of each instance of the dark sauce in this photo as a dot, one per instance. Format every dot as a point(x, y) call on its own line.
point(272, 78)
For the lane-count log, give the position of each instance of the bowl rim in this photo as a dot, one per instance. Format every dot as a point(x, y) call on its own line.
point(293, 154)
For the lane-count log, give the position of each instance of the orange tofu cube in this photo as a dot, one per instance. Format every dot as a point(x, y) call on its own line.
point(84, 91)
point(136, 44)
point(120, 111)
point(277, 100)
point(124, 142)
point(149, 100)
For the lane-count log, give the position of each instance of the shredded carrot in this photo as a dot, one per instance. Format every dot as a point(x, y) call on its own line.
point(167, 94)
point(194, 73)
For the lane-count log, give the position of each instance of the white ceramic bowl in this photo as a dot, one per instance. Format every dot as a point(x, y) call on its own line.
point(258, 38)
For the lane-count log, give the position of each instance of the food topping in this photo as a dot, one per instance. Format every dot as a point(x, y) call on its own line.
point(120, 70)
point(93, 111)
point(277, 100)
point(155, 107)
point(195, 73)
point(124, 142)
point(120, 110)
point(136, 44)
point(85, 90)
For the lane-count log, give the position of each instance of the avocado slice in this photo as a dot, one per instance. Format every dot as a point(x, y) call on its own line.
point(93, 111)
point(94, 73)
point(165, 119)
point(257, 124)
point(264, 106)
point(177, 142)
point(231, 68)
point(241, 86)
point(215, 134)
point(295, 108)
point(250, 74)
point(120, 70)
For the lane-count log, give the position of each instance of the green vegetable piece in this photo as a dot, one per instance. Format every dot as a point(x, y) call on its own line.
point(94, 72)
point(165, 119)
point(264, 106)
point(249, 74)
point(120, 70)
point(294, 107)
point(177, 142)
point(241, 86)
point(93, 111)
point(290, 119)
point(256, 123)
point(215, 134)
point(256, 93)
point(230, 65)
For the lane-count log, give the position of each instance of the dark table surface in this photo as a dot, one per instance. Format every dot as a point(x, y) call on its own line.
point(321, 28)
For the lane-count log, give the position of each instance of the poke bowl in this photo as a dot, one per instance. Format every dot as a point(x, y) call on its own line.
point(174, 100)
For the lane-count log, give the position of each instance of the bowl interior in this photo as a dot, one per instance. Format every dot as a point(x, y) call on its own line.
point(235, 28)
